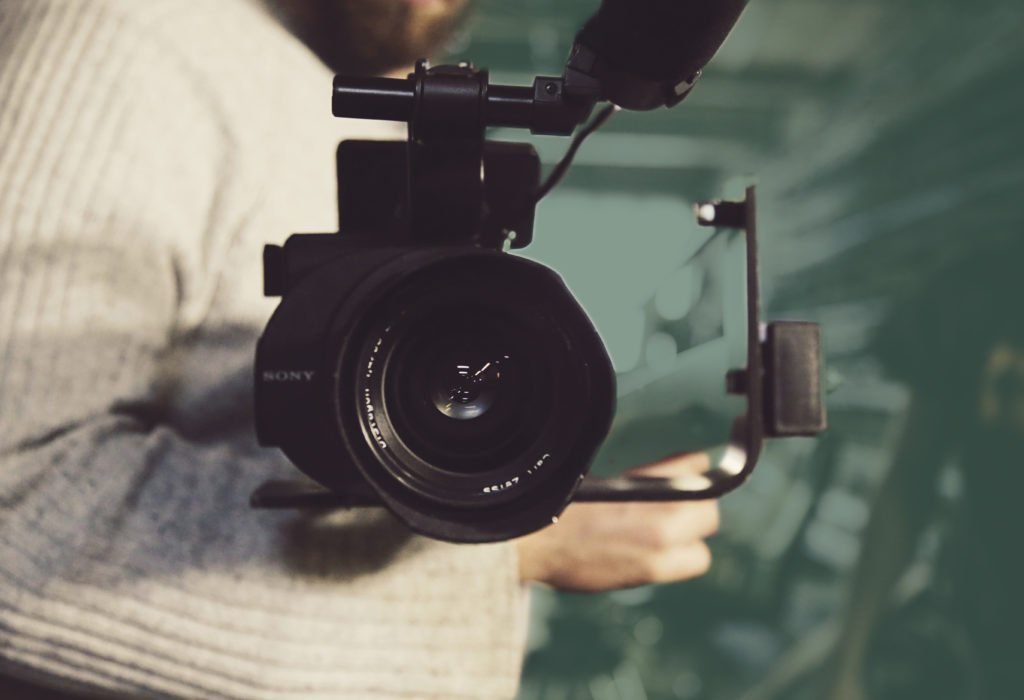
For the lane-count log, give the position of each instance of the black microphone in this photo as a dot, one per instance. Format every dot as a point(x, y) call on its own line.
point(648, 53)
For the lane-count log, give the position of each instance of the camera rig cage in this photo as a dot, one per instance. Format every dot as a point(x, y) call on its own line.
point(431, 191)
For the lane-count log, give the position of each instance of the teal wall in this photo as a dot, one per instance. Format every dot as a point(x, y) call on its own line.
point(887, 141)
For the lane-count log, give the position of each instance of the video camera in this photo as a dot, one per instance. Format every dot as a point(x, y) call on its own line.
point(414, 363)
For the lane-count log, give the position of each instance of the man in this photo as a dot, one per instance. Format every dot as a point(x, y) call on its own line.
point(147, 152)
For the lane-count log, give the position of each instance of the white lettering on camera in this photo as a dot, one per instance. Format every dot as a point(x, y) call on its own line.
point(515, 480)
point(288, 375)
point(371, 418)
point(501, 487)
point(538, 464)
point(373, 354)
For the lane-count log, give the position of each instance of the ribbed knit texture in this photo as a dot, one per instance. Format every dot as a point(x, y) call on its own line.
point(148, 150)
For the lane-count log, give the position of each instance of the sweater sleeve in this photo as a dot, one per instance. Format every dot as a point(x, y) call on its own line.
point(129, 560)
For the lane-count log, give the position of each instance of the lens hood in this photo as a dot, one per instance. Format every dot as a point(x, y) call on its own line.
point(465, 386)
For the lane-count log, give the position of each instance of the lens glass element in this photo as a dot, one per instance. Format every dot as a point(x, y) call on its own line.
point(466, 382)
point(465, 389)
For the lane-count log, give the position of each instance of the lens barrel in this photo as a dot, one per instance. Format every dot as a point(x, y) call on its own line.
point(466, 387)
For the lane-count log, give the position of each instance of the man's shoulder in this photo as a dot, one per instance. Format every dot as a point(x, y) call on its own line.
point(231, 56)
point(133, 10)
point(196, 28)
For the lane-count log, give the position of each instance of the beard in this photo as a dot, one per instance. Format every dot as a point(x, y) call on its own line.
point(374, 37)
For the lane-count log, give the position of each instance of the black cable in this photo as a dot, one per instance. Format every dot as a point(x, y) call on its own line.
point(557, 173)
point(562, 167)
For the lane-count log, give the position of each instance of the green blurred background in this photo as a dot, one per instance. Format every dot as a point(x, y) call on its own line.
point(887, 141)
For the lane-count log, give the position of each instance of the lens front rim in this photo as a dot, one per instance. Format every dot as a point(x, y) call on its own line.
point(579, 424)
point(438, 482)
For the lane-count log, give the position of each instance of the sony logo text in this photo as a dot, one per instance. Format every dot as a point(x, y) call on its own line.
point(288, 375)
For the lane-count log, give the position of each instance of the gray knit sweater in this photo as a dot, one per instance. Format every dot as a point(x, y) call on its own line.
point(148, 150)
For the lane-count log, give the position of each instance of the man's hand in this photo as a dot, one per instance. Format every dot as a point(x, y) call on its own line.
point(602, 546)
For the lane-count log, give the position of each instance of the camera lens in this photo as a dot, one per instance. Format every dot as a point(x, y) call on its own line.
point(466, 383)
point(470, 390)
point(462, 387)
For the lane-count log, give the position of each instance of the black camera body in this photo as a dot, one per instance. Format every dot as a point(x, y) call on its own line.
point(415, 363)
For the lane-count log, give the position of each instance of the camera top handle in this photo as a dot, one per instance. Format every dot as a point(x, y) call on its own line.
point(456, 187)
point(458, 102)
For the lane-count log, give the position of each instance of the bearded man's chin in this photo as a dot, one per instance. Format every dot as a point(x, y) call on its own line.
point(379, 37)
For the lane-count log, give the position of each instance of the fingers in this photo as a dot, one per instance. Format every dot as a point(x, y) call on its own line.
point(663, 525)
point(601, 546)
point(683, 464)
point(693, 520)
point(677, 563)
